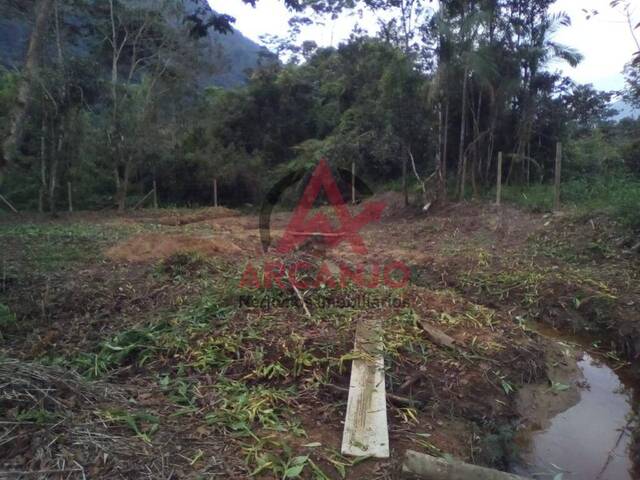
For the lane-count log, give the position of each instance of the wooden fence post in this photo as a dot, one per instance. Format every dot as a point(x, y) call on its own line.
point(155, 194)
point(556, 196)
point(499, 181)
point(405, 188)
point(215, 192)
point(70, 197)
point(353, 183)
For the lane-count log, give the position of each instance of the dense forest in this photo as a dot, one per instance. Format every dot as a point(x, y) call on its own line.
point(118, 95)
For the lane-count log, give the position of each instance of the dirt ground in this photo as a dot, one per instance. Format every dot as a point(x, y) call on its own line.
point(129, 348)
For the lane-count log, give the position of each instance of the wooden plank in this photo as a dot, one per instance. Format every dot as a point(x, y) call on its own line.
point(365, 427)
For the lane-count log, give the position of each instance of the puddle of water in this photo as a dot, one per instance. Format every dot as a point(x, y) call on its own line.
point(590, 440)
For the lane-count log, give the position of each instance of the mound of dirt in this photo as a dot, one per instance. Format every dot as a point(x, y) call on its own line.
point(185, 217)
point(151, 247)
point(393, 201)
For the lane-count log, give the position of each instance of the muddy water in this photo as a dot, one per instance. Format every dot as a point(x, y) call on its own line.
point(589, 439)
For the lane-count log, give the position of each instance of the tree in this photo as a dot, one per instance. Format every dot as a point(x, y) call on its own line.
point(24, 95)
point(588, 107)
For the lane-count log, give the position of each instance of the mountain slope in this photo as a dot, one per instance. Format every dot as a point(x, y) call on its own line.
point(238, 52)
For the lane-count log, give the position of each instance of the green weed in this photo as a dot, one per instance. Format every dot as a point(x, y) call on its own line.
point(39, 416)
point(243, 407)
point(143, 424)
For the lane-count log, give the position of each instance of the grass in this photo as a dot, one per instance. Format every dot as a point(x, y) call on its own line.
point(617, 196)
point(49, 248)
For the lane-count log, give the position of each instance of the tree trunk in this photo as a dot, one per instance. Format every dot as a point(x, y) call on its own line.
point(13, 141)
point(443, 114)
point(474, 167)
point(463, 126)
point(477, 161)
point(43, 166)
point(445, 150)
point(492, 136)
point(53, 175)
point(463, 178)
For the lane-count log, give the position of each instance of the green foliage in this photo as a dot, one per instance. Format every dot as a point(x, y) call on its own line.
point(243, 407)
point(135, 346)
point(39, 416)
point(143, 424)
point(631, 154)
point(8, 83)
point(617, 196)
point(146, 343)
point(592, 155)
point(372, 101)
point(7, 318)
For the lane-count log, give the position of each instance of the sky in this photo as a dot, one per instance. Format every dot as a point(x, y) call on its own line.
point(604, 40)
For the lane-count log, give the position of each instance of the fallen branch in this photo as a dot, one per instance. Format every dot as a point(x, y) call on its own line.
point(8, 203)
point(423, 184)
point(399, 399)
point(412, 380)
point(612, 454)
point(419, 465)
point(437, 336)
point(143, 199)
point(299, 295)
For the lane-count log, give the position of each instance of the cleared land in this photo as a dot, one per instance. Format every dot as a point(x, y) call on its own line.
point(131, 354)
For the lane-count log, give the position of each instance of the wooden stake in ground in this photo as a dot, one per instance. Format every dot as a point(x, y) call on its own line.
point(365, 426)
point(70, 197)
point(353, 183)
point(405, 188)
point(215, 192)
point(155, 195)
point(499, 181)
point(556, 196)
point(8, 204)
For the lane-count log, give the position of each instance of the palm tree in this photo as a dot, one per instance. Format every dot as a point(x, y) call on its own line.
point(535, 52)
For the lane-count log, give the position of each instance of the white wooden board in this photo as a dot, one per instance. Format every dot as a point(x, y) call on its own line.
point(365, 427)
